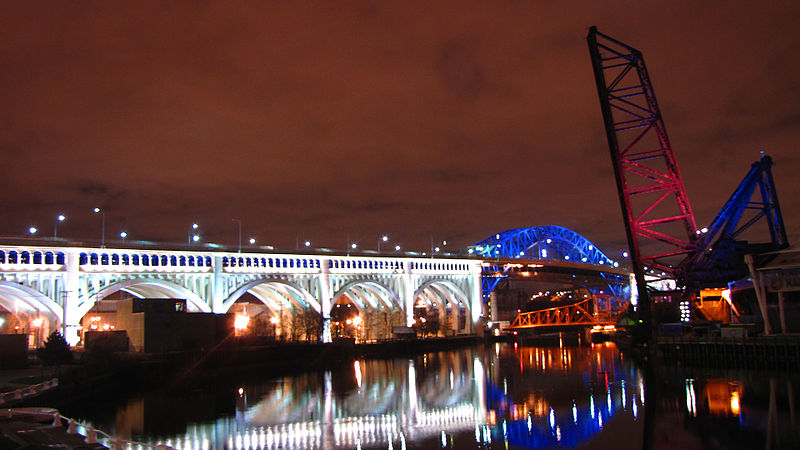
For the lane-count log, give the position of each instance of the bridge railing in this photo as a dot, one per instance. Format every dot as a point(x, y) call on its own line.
point(22, 258)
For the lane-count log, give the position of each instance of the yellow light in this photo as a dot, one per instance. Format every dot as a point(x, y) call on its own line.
point(348, 321)
point(106, 327)
point(241, 321)
point(274, 320)
point(735, 402)
point(37, 322)
point(357, 320)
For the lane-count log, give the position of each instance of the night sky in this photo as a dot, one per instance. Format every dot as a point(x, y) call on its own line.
point(317, 120)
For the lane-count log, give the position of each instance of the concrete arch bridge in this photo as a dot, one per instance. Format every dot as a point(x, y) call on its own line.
point(52, 288)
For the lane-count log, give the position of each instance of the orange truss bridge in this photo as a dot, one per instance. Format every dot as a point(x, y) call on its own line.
point(594, 310)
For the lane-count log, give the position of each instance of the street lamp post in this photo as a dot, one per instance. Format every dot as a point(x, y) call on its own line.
point(123, 235)
point(192, 236)
point(59, 218)
point(102, 227)
point(239, 222)
point(383, 238)
point(32, 230)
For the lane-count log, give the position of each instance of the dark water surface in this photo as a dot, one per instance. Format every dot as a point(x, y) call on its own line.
point(488, 397)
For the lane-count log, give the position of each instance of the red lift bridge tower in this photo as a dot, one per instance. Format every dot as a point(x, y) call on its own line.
point(665, 243)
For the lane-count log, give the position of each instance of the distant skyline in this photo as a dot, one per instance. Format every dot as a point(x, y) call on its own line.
point(416, 120)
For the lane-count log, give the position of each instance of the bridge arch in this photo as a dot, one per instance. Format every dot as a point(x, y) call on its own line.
point(14, 296)
point(276, 294)
point(551, 242)
point(371, 294)
point(145, 288)
point(441, 294)
point(378, 307)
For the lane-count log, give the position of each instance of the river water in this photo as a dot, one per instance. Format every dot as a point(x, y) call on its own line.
point(488, 397)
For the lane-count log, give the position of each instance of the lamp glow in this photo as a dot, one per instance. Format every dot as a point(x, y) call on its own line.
point(240, 322)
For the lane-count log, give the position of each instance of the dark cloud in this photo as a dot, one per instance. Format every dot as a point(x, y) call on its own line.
point(407, 118)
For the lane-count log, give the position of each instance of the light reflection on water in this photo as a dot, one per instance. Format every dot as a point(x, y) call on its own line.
point(494, 396)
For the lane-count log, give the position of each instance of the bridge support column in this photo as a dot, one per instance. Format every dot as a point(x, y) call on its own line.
point(476, 302)
point(217, 294)
point(493, 306)
point(70, 322)
point(408, 293)
point(325, 301)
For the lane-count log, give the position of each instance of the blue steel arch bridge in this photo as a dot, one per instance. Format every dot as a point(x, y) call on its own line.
point(519, 252)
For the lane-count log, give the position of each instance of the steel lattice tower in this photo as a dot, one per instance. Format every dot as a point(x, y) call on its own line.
point(660, 226)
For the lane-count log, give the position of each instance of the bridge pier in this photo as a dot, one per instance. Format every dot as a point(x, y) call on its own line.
point(408, 293)
point(325, 300)
point(70, 321)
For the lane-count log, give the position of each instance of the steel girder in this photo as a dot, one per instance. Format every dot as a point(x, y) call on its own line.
point(719, 257)
point(658, 217)
point(548, 243)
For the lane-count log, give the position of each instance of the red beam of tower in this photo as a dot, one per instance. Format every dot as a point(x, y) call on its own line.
point(658, 218)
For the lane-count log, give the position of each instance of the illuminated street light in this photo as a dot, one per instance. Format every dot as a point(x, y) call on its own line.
point(103, 227)
point(354, 246)
point(192, 237)
point(307, 243)
point(32, 230)
point(59, 218)
point(383, 238)
point(252, 241)
point(123, 234)
point(397, 248)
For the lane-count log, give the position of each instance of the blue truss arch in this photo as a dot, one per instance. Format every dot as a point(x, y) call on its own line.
point(547, 243)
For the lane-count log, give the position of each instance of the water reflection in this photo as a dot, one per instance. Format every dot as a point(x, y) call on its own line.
point(494, 396)
point(729, 410)
point(559, 396)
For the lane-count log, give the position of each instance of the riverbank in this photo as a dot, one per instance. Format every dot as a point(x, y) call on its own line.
point(100, 373)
